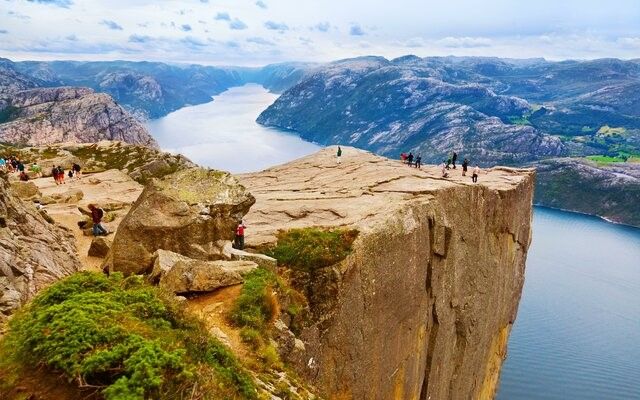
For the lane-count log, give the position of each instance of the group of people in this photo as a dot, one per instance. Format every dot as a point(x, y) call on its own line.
point(445, 166)
point(58, 173)
point(411, 160)
point(14, 164)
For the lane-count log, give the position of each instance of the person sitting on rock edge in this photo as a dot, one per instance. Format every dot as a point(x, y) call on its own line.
point(239, 239)
point(444, 168)
point(96, 217)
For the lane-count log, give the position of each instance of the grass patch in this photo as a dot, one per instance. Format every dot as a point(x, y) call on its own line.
point(124, 337)
point(257, 304)
point(311, 248)
point(518, 120)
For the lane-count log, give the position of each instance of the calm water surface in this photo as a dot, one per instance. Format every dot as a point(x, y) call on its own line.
point(223, 134)
point(577, 335)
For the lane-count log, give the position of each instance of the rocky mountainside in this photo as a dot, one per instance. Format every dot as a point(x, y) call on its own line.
point(492, 110)
point(43, 116)
point(423, 305)
point(34, 252)
point(611, 191)
point(151, 89)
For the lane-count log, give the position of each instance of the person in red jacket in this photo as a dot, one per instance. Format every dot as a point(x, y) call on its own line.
point(239, 240)
point(96, 217)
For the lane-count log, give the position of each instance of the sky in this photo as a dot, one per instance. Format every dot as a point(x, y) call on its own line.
point(258, 32)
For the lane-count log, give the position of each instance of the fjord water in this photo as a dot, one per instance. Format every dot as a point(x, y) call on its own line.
point(577, 335)
point(223, 133)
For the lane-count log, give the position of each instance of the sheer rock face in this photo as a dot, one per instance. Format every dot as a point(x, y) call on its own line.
point(33, 252)
point(192, 212)
point(423, 306)
point(68, 114)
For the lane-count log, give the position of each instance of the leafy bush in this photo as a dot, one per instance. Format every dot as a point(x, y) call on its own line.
point(125, 337)
point(310, 248)
point(256, 306)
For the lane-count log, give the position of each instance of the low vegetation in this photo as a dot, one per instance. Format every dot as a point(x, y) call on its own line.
point(122, 339)
point(311, 248)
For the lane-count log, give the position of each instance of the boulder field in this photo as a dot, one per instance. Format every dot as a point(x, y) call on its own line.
point(423, 306)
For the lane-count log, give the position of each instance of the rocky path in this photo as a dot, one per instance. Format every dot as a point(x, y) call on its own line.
point(113, 188)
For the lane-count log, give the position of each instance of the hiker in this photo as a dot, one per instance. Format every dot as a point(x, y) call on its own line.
point(449, 163)
point(476, 171)
point(3, 164)
point(60, 175)
point(444, 168)
point(24, 177)
point(239, 240)
point(465, 164)
point(20, 166)
point(338, 155)
point(410, 158)
point(454, 158)
point(35, 168)
point(419, 161)
point(70, 174)
point(54, 174)
point(96, 217)
point(76, 170)
point(403, 157)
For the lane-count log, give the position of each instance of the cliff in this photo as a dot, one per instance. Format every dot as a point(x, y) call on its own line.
point(67, 114)
point(423, 305)
point(34, 253)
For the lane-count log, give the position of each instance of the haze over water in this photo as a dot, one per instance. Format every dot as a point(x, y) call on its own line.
point(577, 334)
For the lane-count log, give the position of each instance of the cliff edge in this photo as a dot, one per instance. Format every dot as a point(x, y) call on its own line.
point(423, 305)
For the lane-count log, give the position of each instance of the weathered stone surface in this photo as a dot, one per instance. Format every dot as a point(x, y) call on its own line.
point(181, 274)
point(192, 212)
point(25, 190)
point(70, 114)
point(262, 260)
point(33, 252)
point(423, 305)
point(99, 247)
point(70, 196)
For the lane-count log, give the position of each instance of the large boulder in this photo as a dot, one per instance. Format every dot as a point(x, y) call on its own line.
point(25, 190)
point(192, 212)
point(180, 274)
point(99, 247)
point(33, 252)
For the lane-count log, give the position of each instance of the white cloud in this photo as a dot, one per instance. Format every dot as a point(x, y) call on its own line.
point(455, 42)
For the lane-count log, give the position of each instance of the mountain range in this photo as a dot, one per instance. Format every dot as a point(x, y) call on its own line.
point(578, 122)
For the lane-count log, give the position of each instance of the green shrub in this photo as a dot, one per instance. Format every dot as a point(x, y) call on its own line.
point(125, 337)
point(256, 306)
point(310, 248)
point(252, 337)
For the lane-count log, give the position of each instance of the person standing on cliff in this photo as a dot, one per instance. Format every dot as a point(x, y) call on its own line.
point(465, 165)
point(474, 176)
point(419, 161)
point(338, 155)
point(454, 158)
point(239, 239)
point(410, 158)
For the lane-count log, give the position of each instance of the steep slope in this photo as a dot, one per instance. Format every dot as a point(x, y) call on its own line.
point(610, 191)
point(423, 305)
point(66, 114)
point(33, 252)
point(390, 106)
